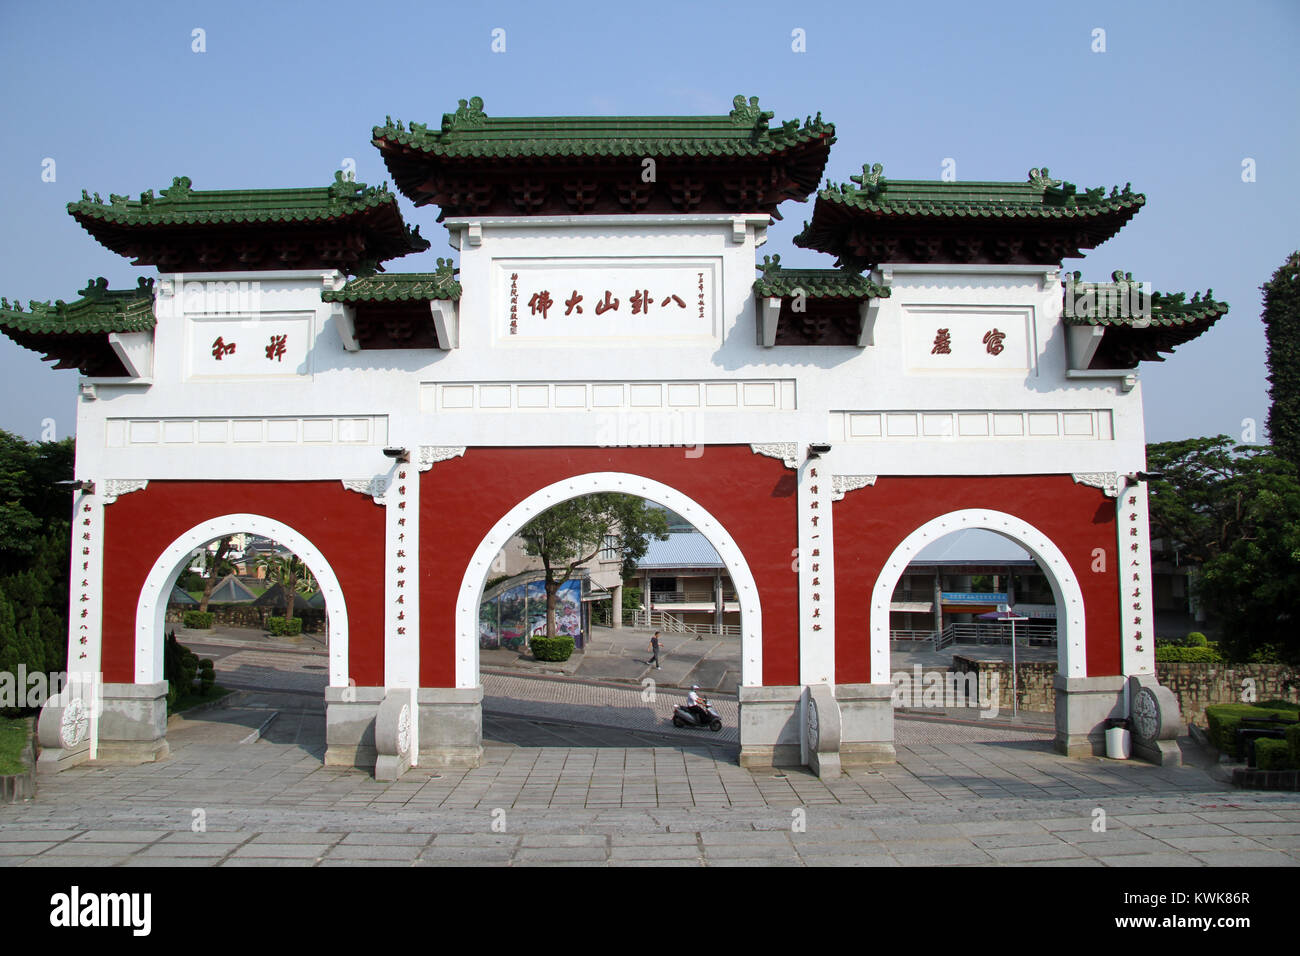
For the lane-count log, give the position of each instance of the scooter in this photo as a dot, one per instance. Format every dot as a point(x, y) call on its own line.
point(683, 716)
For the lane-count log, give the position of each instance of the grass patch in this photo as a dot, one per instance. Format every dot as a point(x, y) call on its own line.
point(186, 701)
point(13, 740)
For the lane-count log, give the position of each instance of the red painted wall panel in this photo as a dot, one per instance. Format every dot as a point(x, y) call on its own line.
point(752, 496)
point(871, 522)
point(347, 527)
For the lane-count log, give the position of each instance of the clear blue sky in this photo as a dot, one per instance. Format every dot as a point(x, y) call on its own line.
point(1183, 93)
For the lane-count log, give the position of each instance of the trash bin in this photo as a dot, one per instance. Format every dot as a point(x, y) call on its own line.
point(1119, 742)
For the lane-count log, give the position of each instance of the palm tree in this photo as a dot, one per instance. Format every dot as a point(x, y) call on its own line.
point(292, 574)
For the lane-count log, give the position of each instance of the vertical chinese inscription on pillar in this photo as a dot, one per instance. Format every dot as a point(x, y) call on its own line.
point(1135, 576)
point(85, 527)
point(815, 555)
point(399, 501)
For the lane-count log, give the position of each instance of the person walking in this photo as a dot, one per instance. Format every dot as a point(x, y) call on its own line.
point(654, 650)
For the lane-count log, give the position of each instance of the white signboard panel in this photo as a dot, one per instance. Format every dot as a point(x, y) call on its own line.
point(607, 301)
point(273, 346)
point(941, 339)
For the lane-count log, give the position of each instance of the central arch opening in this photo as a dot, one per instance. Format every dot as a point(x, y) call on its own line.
point(612, 681)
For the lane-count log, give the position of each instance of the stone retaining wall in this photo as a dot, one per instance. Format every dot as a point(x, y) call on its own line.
point(1196, 686)
point(1035, 682)
point(1200, 685)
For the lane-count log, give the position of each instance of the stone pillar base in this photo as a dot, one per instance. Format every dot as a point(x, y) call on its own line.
point(350, 726)
point(1083, 705)
point(867, 715)
point(451, 727)
point(1162, 753)
point(132, 751)
point(770, 722)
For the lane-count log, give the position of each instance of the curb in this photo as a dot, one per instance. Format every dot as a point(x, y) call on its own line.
point(208, 705)
point(20, 787)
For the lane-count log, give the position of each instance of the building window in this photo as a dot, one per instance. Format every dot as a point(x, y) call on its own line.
point(610, 552)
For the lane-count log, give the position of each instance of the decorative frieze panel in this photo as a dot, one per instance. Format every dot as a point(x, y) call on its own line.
point(114, 487)
point(974, 425)
point(841, 485)
point(788, 452)
point(721, 396)
point(1107, 481)
point(430, 455)
point(241, 432)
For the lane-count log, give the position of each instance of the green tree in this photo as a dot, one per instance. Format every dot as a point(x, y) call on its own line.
point(1282, 331)
point(216, 565)
point(573, 532)
point(292, 574)
point(1235, 511)
point(30, 501)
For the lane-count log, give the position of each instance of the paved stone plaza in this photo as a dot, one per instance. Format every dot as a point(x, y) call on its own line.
point(562, 793)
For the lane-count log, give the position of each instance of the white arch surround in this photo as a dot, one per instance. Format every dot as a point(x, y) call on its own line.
point(151, 609)
point(471, 586)
point(1071, 637)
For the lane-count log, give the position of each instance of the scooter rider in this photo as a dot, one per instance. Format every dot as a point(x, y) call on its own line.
point(696, 704)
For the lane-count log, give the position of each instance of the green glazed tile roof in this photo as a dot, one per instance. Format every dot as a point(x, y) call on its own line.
point(98, 311)
point(400, 286)
point(180, 205)
point(1167, 310)
point(777, 282)
point(1039, 197)
point(469, 133)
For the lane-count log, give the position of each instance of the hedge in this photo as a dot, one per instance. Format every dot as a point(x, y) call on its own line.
point(199, 620)
point(552, 648)
point(1224, 719)
point(1197, 639)
point(1176, 654)
point(1273, 755)
point(282, 628)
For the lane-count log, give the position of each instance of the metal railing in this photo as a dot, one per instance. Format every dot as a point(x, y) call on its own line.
point(688, 597)
point(995, 633)
point(905, 636)
point(671, 624)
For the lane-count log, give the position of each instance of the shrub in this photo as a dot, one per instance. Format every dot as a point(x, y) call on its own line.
point(1174, 654)
point(1279, 705)
point(282, 628)
point(199, 620)
point(207, 675)
point(1273, 755)
point(180, 664)
point(1293, 742)
point(1197, 639)
point(552, 648)
point(1224, 719)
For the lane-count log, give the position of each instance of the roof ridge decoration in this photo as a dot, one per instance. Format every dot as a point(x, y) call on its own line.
point(749, 115)
point(469, 115)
